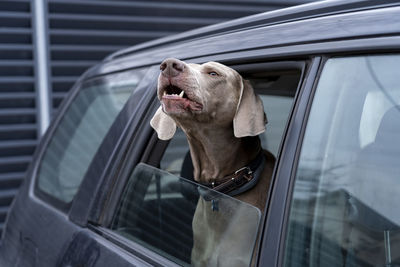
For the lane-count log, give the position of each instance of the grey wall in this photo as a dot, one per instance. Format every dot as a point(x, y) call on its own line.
point(79, 34)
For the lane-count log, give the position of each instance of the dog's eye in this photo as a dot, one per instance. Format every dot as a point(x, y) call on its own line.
point(213, 73)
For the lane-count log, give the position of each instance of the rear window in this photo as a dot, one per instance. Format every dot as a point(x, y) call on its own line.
point(80, 133)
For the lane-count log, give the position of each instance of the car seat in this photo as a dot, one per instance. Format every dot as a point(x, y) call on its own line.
point(376, 178)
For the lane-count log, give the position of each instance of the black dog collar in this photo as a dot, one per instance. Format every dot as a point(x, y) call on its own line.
point(240, 181)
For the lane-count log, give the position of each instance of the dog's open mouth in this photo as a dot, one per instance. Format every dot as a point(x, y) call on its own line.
point(175, 100)
point(172, 90)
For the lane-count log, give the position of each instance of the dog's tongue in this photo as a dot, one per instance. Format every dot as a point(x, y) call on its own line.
point(177, 104)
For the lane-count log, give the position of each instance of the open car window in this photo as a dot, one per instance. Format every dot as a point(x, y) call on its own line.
point(157, 208)
point(276, 85)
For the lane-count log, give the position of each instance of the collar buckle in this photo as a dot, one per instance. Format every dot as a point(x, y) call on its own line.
point(249, 171)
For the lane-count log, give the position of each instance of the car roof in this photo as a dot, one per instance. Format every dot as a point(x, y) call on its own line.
point(311, 10)
point(325, 20)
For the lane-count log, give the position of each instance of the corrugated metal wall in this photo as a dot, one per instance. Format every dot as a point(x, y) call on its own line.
point(81, 33)
point(84, 31)
point(18, 129)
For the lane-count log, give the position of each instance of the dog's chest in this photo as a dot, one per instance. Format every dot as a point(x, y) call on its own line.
point(223, 236)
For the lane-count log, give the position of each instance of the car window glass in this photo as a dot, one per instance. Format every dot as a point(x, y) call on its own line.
point(276, 90)
point(345, 199)
point(80, 133)
point(157, 208)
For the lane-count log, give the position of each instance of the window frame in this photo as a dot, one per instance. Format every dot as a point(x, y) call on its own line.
point(273, 235)
point(277, 228)
point(155, 148)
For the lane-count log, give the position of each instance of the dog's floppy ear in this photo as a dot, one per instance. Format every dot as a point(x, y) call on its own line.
point(163, 124)
point(250, 118)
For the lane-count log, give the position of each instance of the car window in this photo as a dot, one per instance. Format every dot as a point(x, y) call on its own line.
point(346, 192)
point(276, 89)
point(80, 133)
point(157, 208)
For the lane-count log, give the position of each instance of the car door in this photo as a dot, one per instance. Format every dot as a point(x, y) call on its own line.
point(148, 208)
point(44, 227)
point(341, 209)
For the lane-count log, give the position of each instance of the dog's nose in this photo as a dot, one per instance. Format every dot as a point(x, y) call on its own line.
point(172, 67)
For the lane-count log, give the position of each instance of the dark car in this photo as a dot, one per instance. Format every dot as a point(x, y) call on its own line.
point(103, 190)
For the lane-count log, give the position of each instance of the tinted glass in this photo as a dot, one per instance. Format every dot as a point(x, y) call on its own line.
point(80, 133)
point(157, 209)
point(346, 192)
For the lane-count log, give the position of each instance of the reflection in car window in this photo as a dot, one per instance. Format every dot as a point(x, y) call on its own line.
point(80, 133)
point(346, 192)
point(157, 210)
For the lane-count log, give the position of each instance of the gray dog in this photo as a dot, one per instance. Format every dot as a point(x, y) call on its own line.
point(221, 117)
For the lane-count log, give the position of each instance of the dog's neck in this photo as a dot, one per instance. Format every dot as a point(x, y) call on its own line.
point(217, 153)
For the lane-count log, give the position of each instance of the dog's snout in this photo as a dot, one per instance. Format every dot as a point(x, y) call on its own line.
point(172, 67)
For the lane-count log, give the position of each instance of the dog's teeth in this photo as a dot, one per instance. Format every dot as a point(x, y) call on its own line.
point(165, 93)
point(181, 94)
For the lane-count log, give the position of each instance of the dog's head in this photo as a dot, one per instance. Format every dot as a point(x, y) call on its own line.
point(210, 93)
